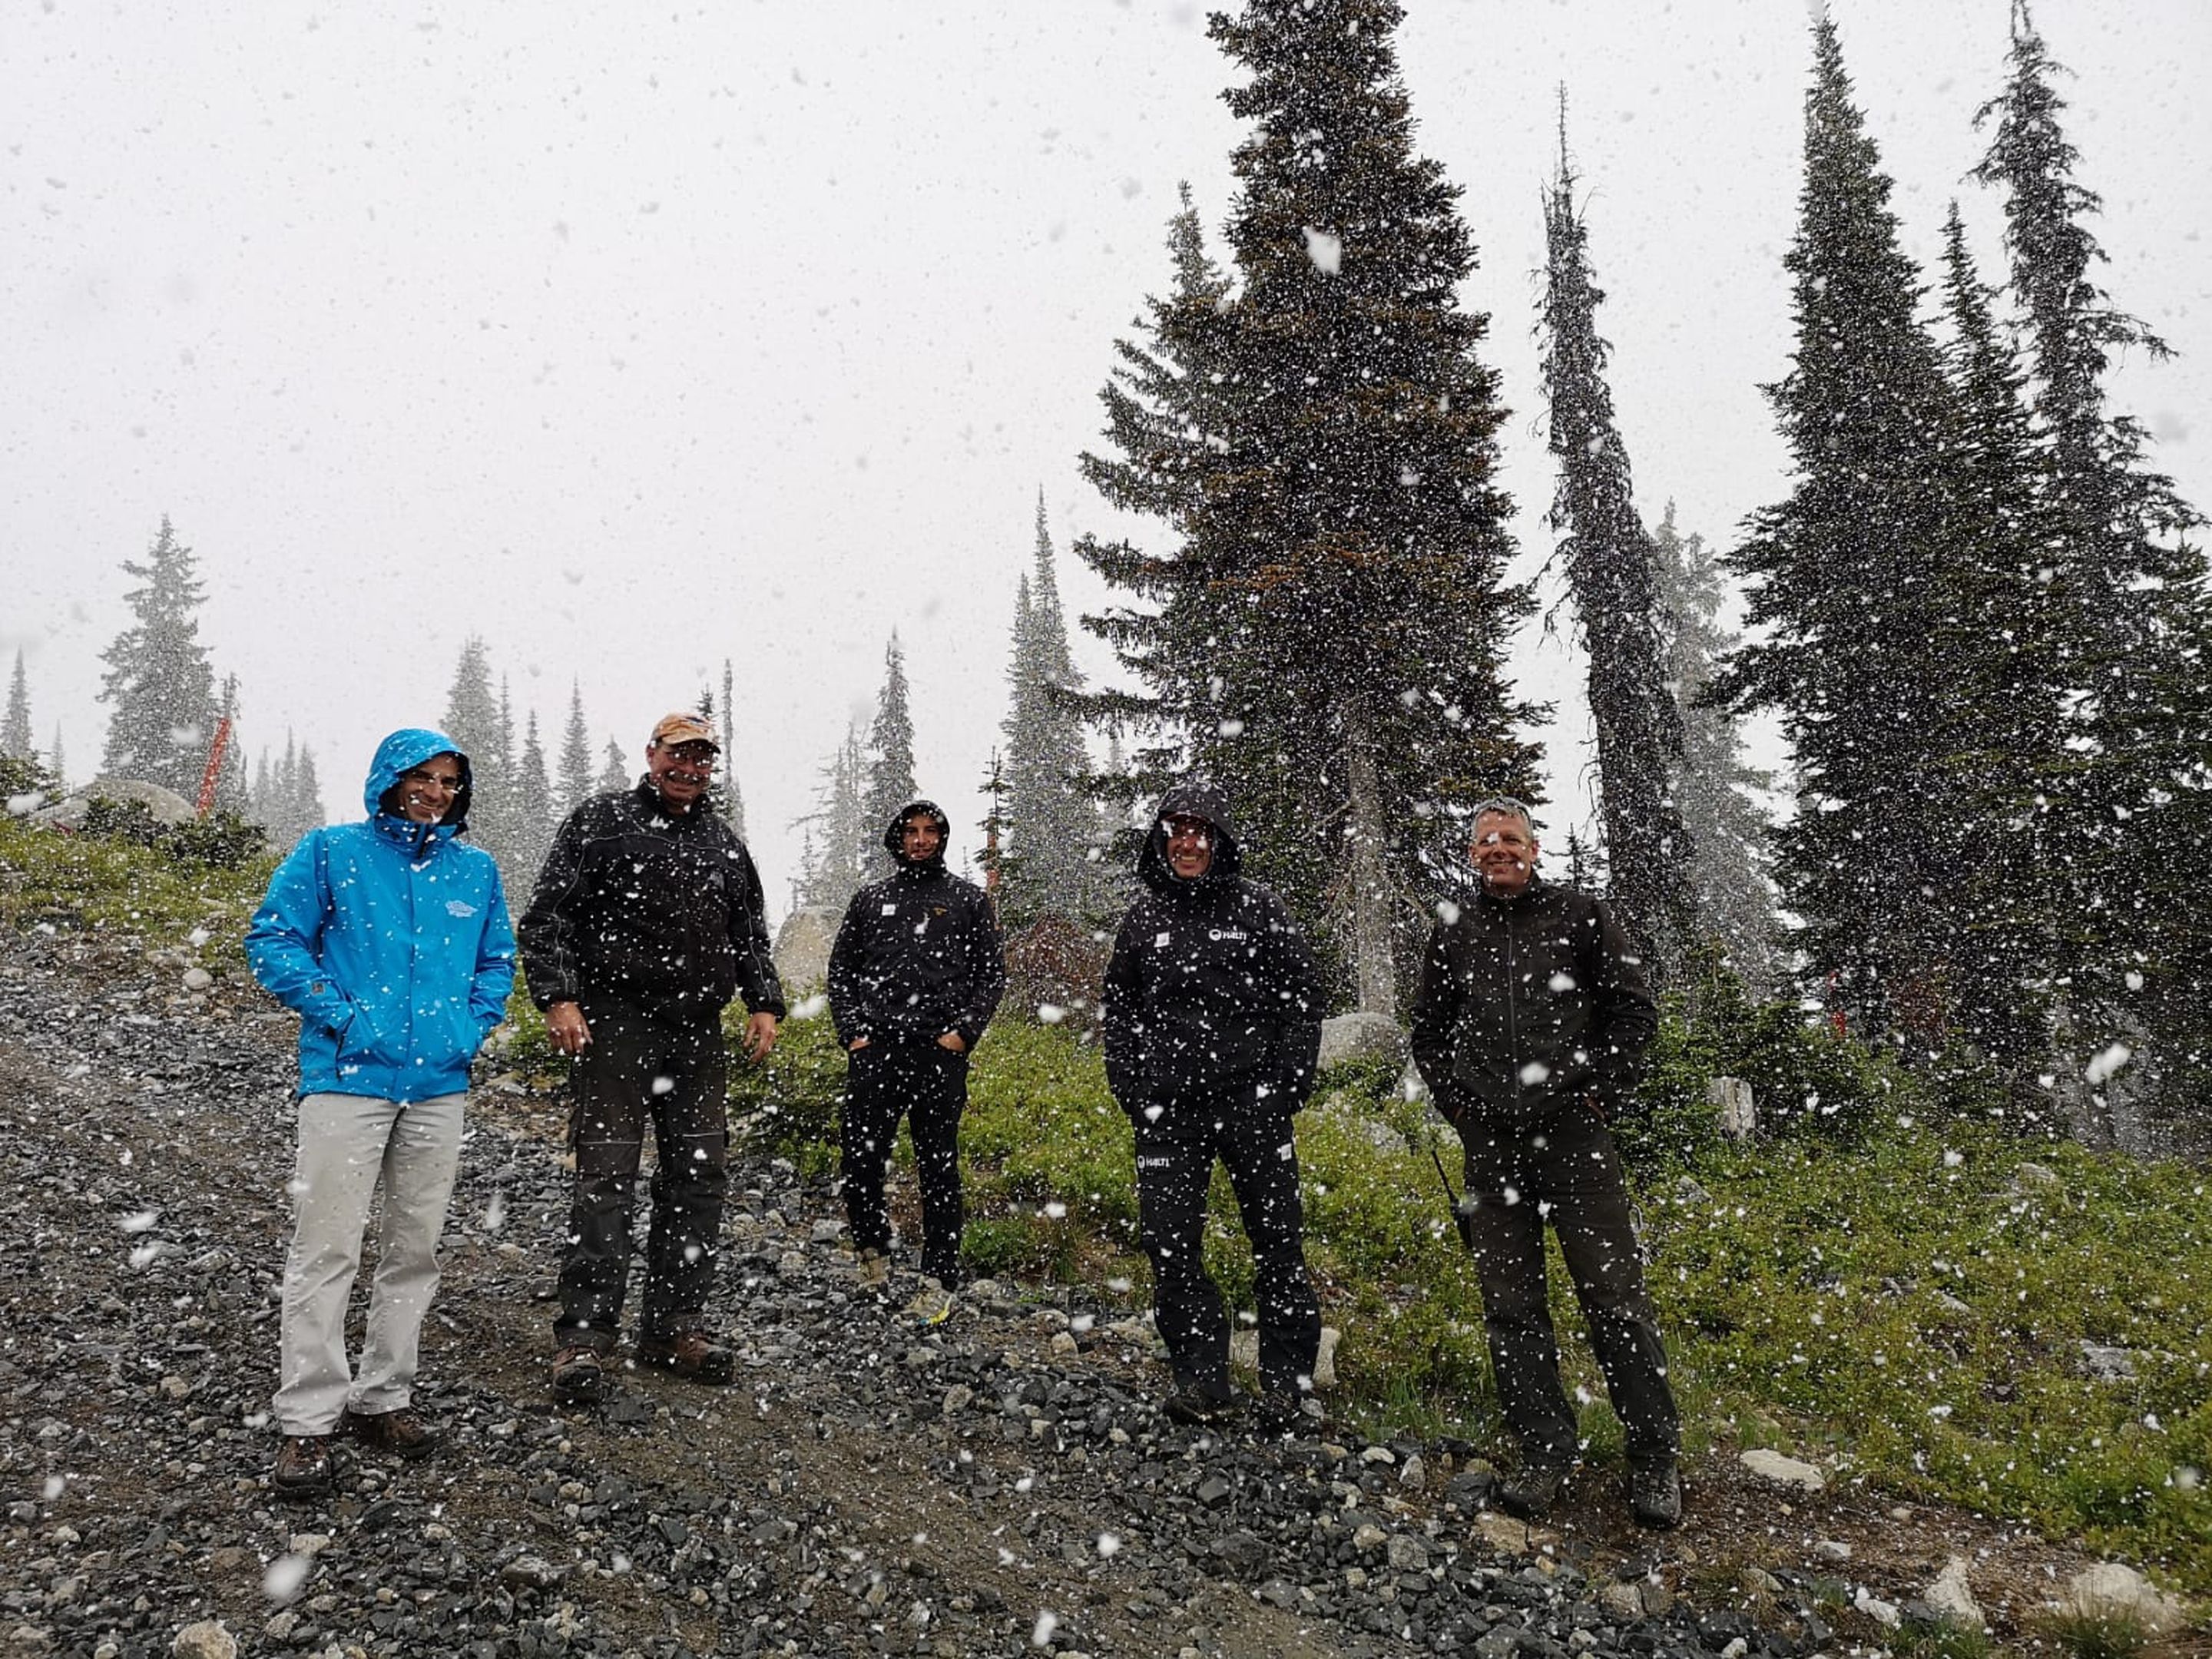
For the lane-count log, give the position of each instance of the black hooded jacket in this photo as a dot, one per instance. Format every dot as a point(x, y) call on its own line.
point(648, 910)
point(1211, 990)
point(918, 953)
point(1528, 1003)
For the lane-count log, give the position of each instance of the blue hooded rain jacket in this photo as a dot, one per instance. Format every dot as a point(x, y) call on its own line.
point(391, 938)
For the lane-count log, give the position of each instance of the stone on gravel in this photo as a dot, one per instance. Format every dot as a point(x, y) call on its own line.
point(208, 1639)
point(1952, 1598)
point(1884, 1613)
point(1784, 1470)
point(2112, 1591)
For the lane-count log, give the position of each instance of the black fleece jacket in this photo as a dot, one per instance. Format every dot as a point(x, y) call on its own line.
point(918, 954)
point(1528, 1003)
point(648, 910)
point(1212, 991)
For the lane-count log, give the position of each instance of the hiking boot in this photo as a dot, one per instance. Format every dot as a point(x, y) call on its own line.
point(1531, 1493)
point(578, 1376)
point(303, 1468)
point(875, 1268)
point(1655, 1495)
point(692, 1355)
point(1198, 1406)
point(1285, 1411)
point(932, 1303)
point(402, 1432)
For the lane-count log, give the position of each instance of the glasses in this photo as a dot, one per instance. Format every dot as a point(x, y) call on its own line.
point(446, 781)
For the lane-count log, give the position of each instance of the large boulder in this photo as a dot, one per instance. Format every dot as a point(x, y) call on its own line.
point(1356, 1037)
point(166, 805)
point(802, 950)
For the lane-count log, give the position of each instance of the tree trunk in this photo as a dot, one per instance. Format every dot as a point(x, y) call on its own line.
point(1374, 973)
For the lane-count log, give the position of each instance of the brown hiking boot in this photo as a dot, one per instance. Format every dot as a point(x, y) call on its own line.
point(303, 1468)
point(1531, 1493)
point(578, 1379)
point(402, 1432)
point(692, 1355)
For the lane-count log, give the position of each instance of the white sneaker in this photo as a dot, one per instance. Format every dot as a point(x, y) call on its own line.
point(932, 1304)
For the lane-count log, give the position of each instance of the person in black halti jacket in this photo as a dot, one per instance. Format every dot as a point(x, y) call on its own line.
point(915, 976)
point(1530, 1027)
point(1212, 1017)
point(646, 919)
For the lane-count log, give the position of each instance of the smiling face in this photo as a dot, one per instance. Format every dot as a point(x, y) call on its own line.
point(425, 792)
point(920, 839)
point(680, 771)
point(1503, 851)
point(1190, 846)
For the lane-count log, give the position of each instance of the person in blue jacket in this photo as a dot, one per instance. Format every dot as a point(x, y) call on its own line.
point(391, 939)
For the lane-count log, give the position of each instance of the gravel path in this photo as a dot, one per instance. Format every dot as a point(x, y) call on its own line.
point(1000, 1485)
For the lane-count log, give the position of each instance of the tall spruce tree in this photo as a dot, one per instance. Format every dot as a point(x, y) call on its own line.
point(889, 783)
point(230, 785)
point(2128, 585)
point(839, 844)
point(1715, 788)
point(57, 761)
point(483, 725)
point(536, 818)
point(1335, 613)
point(1611, 567)
point(16, 728)
point(1846, 577)
point(733, 794)
point(159, 679)
point(615, 775)
point(2005, 736)
point(1050, 860)
point(576, 781)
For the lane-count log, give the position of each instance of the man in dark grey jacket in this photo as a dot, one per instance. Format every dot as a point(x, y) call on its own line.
point(1530, 1027)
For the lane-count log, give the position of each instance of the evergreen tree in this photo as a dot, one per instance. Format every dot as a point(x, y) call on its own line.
point(1333, 622)
point(1611, 563)
point(58, 762)
point(734, 805)
point(258, 799)
point(158, 676)
point(890, 781)
point(483, 726)
point(615, 775)
point(1714, 788)
point(1051, 834)
point(2127, 588)
point(306, 803)
point(576, 781)
point(16, 728)
point(1847, 579)
point(534, 798)
point(839, 842)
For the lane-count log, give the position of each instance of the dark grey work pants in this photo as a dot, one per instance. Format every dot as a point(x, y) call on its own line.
point(674, 1076)
point(1563, 1169)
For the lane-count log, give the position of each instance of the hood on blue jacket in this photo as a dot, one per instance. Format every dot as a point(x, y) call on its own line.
point(409, 748)
point(1190, 799)
point(895, 834)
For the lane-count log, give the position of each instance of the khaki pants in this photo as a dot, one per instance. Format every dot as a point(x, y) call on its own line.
point(350, 1146)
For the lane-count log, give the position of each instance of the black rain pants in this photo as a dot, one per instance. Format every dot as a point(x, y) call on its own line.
point(1175, 1154)
point(926, 1084)
point(637, 1069)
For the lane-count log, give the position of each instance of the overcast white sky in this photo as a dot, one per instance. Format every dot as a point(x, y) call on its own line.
point(633, 341)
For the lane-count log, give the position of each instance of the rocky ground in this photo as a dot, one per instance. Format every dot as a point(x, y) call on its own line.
point(1001, 1484)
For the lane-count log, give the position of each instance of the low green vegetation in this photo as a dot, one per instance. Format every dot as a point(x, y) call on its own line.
point(1893, 1279)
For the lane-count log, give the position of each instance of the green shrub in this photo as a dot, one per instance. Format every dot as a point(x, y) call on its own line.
point(222, 840)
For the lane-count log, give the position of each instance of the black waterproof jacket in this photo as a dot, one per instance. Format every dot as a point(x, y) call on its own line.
point(1529, 1003)
point(1212, 991)
point(918, 954)
point(648, 910)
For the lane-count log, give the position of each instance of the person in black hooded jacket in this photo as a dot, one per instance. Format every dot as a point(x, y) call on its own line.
point(1212, 1022)
point(915, 976)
